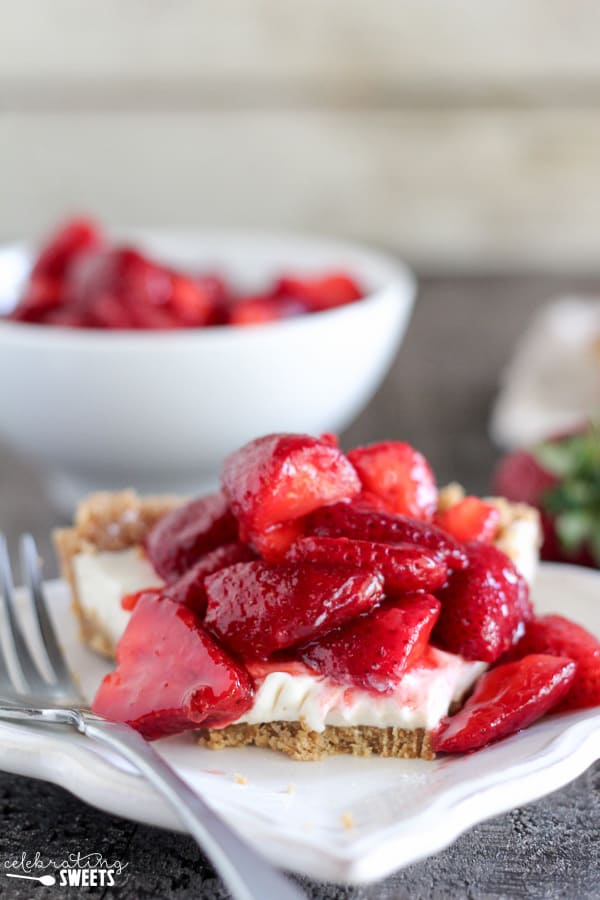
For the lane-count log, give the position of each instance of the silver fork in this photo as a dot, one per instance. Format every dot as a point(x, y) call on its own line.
point(27, 696)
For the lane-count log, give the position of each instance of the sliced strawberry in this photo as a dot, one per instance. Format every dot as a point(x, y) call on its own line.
point(171, 675)
point(398, 474)
point(508, 698)
point(189, 588)
point(192, 302)
point(261, 309)
point(66, 243)
point(375, 649)
point(109, 311)
point(404, 567)
point(317, 294)
point(523, 607)
point(186, 533)
point(273, 543)
point(471, 519)
point(42, 295)
point(360, 520)
point(482, 606)
point(284, 476)
point(122, 273)
point(257, 608)
point(560, 637)
point(328, 437)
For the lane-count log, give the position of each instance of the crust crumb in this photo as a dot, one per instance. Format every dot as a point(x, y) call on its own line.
point(240, 779)
point(347, 820)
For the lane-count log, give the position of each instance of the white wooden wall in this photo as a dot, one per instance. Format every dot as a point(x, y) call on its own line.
point(464, 133)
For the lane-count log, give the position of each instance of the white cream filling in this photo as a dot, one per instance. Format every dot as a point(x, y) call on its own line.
point(103, 578)
point(422, 697)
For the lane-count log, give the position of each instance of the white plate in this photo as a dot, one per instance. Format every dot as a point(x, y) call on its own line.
point(402, 810)
point(552, 382)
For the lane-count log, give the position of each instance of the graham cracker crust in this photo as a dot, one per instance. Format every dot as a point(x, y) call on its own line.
point(299, 742)
point(105, 522)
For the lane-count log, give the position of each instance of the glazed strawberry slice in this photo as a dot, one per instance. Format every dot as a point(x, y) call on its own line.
point(484, 607)
point(261, 309)
point(73, 238)
point(273, 543)
point(329, 437)
point(360, 520)
point(558, 636)
point(189, 589)
point(257, 608)
point(404, 567)
point(186, 533)
point(193, 303)
point(317, 294)
point(398, 474)
point(284, 476)
point(508, 698)
point(375, 650)
point(171, 675)
point(41, 295)
point(471, 519)
point(119, 287)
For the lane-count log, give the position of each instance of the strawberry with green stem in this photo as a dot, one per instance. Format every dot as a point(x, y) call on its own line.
point(561, 477)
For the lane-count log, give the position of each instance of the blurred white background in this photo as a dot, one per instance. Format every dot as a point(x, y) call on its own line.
point(464, 134)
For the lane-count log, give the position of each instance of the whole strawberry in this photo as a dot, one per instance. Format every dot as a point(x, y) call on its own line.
point(561, 477)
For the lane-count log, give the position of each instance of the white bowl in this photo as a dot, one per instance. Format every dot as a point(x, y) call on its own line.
point(158, 411)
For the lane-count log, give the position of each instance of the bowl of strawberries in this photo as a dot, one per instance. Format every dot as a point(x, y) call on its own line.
point(140, 358)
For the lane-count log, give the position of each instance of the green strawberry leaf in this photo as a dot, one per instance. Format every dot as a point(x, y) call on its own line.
point(555, 458)
point(594, 542)
point(574, 501)
point(574, 529)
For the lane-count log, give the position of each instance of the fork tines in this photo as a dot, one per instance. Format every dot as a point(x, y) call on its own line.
point(29, 667)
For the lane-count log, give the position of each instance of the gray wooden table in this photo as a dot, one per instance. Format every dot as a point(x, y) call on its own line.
point(437, 396)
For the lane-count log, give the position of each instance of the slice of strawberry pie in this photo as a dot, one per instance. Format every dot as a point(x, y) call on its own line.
point(319, 603)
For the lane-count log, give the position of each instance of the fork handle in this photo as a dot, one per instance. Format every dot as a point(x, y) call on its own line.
point(246, 874)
